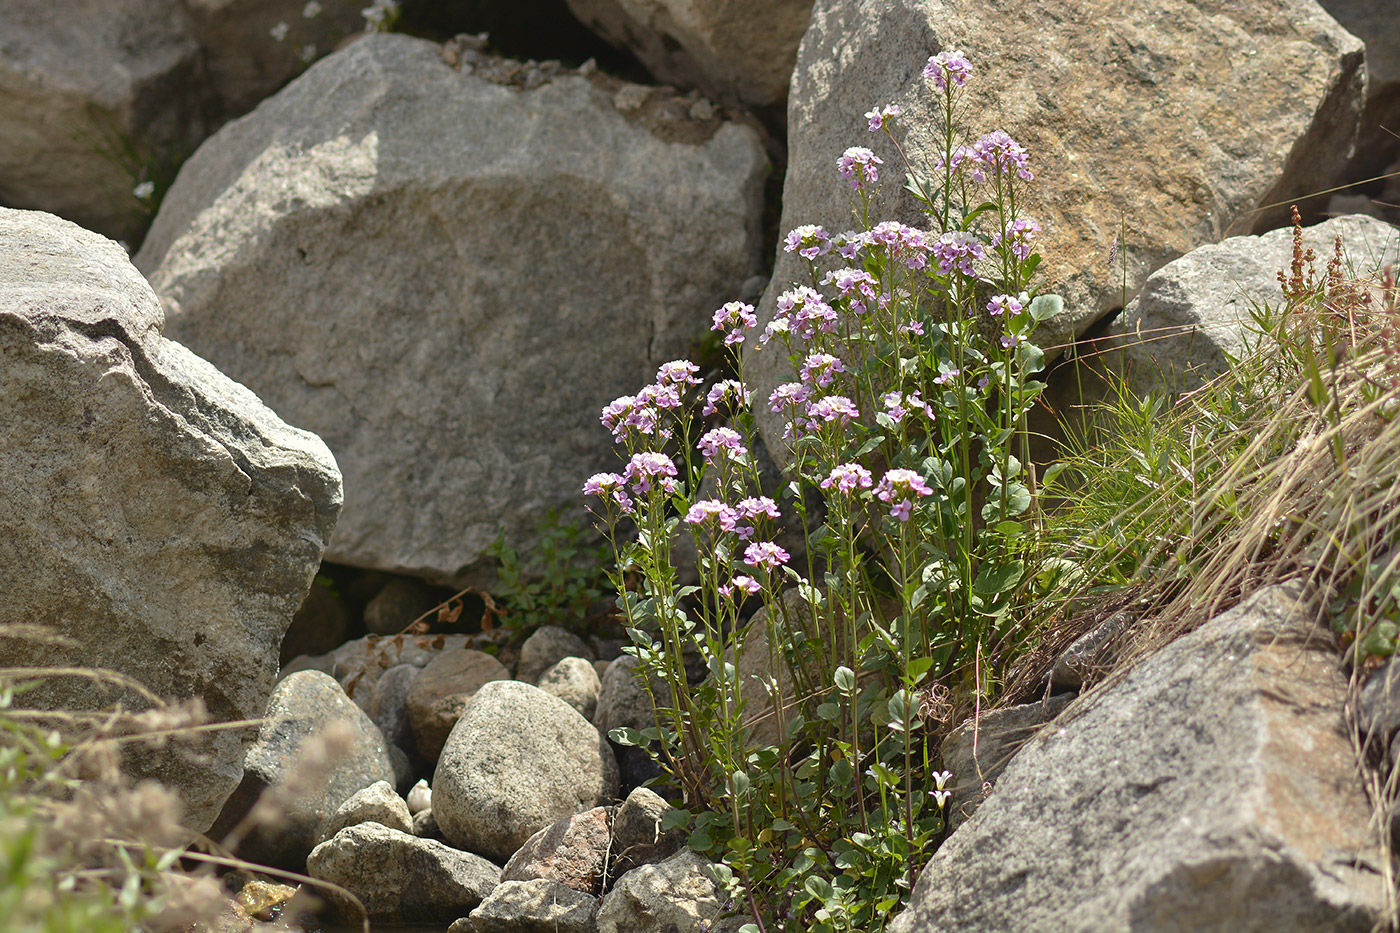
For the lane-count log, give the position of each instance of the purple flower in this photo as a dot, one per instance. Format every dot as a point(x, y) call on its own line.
point(724, 391)
point(832, 408)
point(707, 510)
point(1019, 234)
point(1004, 304)
point(608, 486)
point(1001, 153)
point(878, 116)
point(856, 285)
point(847, 478)
point(661, 395)
point(1011, 340)
point(719, 439)
point(943, 378)
point(957, 250)
point(898, 405)
point(750, 509)
point(765, 554)
point(809, 241)
point(677, 373)
point(735, 317)
point(948, 65)
point(788, 395)
point(820, 368)
point(913, 327)
point(742, 583)
point(906, 243)
point(857, 164)
point(850, 243)
point(647, 467)
point(616, 412)
point(898, 487)
point(802, 310)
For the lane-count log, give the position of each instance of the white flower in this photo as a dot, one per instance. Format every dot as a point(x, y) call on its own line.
point(144, 190)
point(941, 778)
point(311, 10)
point(279, 32)
point(941, 796)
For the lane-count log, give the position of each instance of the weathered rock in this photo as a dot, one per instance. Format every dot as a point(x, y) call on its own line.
point(638, 836)
point(576, 682)
point(359, 664)
point(1211, 788)
point(399, 603)
point(545, 647)
point(1373, 22)
point(1190, 117)
point(80, 80)
point(623, 703)
point(388, 704)
point(443, 690)
point(425, 825)
point(303, 706)
point(150, 508)
point(742, 53)
point(1090, 654)
point(573, 852)
point(398, 876)
point(383, 179)
point(1378, 712)
point(1195, 311)
point(977, 752)
point(537, 906)
point(420, 797)
point(517, 761)
point(375, 804)
point(674, 896)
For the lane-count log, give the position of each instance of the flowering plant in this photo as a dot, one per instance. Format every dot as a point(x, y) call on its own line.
point(814, 781)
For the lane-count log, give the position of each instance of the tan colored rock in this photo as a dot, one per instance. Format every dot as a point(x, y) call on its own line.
point(1179, 120)
point(573, 852)
point(733, 51)
point(442, 691)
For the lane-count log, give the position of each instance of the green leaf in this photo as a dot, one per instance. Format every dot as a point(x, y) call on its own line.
point(845, 680)
point(1044, 307)
point(919, 667)
point(628, 736)
point(818, 887)
point(675, 819)
point(997, 578)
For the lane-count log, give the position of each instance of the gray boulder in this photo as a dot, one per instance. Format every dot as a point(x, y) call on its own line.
point(302, 706)
point(576, 682)
point(402, 877)
point(1194, 312)
point(978, 751)
point(733, 52)
point(375, 804)
point(1178, 125)
point(546, 646)
point(388, 704)
point(411, 259)
point(150, 508)
point(401, 602)
point(1212, 788)
point(674, 896)
point(538, 906)
point(638, 835)
point(442, 691)
point(517, 761)
point(1373, 22)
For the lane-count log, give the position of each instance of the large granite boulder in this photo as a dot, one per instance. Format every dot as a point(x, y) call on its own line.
point(97, 96)
point(678, 895)
point(1212, 788)
point(289, 760)
point(517, 761)
point(417, 260)
point(150, 508)
point(1178, 120)
point(1373, 22)
point(733, 51)
point(1195, 312)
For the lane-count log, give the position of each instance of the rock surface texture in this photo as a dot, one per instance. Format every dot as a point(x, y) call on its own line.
point(537, 906)
point(674, 896)
point(303, 707)
point(1211, 788)
point(150, 508)
point(412, 259)
point(1177, 119)
point(442, 691)
point(517, 761)
point(732, 50)
point(1194, 312)
point(99, 95)
point(403, 877)
point(574, 851)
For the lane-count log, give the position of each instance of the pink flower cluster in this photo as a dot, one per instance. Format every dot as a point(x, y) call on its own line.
point(1019, 234)
point(880, 115)
point(728, 390)
point(907, 244)
point(610, 487)
point(732, 519)
point(957, 249)
point(948, 66)
point(898, 487)
point(735, 317)
point(898, 405)
point(808, 241)
point(726, 441)
point(857, 165)
point(802, 311)
point(847, 478)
